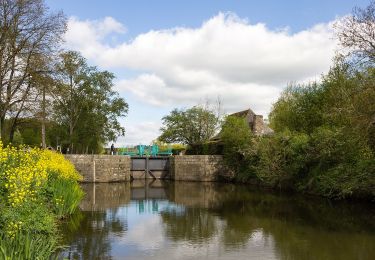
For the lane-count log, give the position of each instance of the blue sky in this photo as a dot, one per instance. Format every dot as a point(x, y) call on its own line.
point(168, 54)
point(144, 15)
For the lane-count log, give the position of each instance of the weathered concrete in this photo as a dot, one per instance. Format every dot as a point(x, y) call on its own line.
point(102, 168)
point(115, 168)
point(198, 168)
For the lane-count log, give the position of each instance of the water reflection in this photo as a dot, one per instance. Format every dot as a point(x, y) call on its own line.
point(181, 220)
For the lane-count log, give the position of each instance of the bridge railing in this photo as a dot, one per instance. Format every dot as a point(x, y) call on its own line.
point(145, 150)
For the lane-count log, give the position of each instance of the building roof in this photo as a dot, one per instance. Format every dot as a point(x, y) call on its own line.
point(243, 113)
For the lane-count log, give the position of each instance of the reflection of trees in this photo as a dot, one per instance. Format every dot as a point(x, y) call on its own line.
point(193, 224)
point(90, 240)
point(306, 242)
point(298, 227)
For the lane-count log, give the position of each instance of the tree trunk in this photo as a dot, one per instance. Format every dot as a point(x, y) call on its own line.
point(43, 119)
point(13, 130)
point(71, 115)
point(2, 121)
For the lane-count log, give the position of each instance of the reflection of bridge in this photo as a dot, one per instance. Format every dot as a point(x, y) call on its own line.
point(154, 189)
point(102, 196)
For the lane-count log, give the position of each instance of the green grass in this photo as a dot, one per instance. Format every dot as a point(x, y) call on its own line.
point(26, 246)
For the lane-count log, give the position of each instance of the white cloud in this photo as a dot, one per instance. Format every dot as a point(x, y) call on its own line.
point(90, 34)
point(236, 95)
point(246, 64)
point(139, 133)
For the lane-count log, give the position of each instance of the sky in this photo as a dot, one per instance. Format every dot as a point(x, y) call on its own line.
point(176, 54)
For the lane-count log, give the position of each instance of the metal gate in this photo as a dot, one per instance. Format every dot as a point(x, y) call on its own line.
point(149, 164)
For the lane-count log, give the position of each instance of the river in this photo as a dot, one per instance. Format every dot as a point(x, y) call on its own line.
point(186, 220)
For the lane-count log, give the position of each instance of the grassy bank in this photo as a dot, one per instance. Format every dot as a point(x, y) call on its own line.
point(37, 188)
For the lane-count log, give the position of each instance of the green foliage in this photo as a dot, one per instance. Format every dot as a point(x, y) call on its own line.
point(31, 216)
point(324, 136)
point(282, 158)
point(207, 148)
point(17, 139)
point(65, 194)
point(299, 109)
point(27, 232)
point(37, 187)
point(86, 108)
point(238, 142)
point(193, 126)
point(26, 246)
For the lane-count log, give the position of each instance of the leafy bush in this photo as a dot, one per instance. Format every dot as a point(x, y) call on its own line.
point(36, 188)
point(323, 142)
point(238, 147)
point(282, 158)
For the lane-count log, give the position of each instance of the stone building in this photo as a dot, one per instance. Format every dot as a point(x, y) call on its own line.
point(255, 122)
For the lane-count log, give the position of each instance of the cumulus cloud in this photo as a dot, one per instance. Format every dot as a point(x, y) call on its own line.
point(89, 36)
point(247, 65)
point(139, 133)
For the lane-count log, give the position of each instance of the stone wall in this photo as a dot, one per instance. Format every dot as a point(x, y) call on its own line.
point(258, 125)
point(116, 168)
point(198, 168)
point(101, 168)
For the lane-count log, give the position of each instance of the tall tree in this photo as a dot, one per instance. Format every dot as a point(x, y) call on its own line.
point(27, 31)
point(86, 105)
point(193, 126)
point(356, 32)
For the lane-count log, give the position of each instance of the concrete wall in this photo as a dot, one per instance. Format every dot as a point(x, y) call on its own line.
point(115, 168)
point(101, 168)
point(198, 168)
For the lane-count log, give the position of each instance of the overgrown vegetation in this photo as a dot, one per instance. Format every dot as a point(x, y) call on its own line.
point(324, 141)
point(37, 187)
point(324, 136)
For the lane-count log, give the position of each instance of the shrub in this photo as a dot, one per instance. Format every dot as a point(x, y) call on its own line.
point(282, 158)
point(238, 147)
point(36, 188)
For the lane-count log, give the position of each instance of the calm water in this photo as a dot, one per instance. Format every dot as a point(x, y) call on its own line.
point(167, 220)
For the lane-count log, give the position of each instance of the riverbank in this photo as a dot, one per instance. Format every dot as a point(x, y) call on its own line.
point(37, 188)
